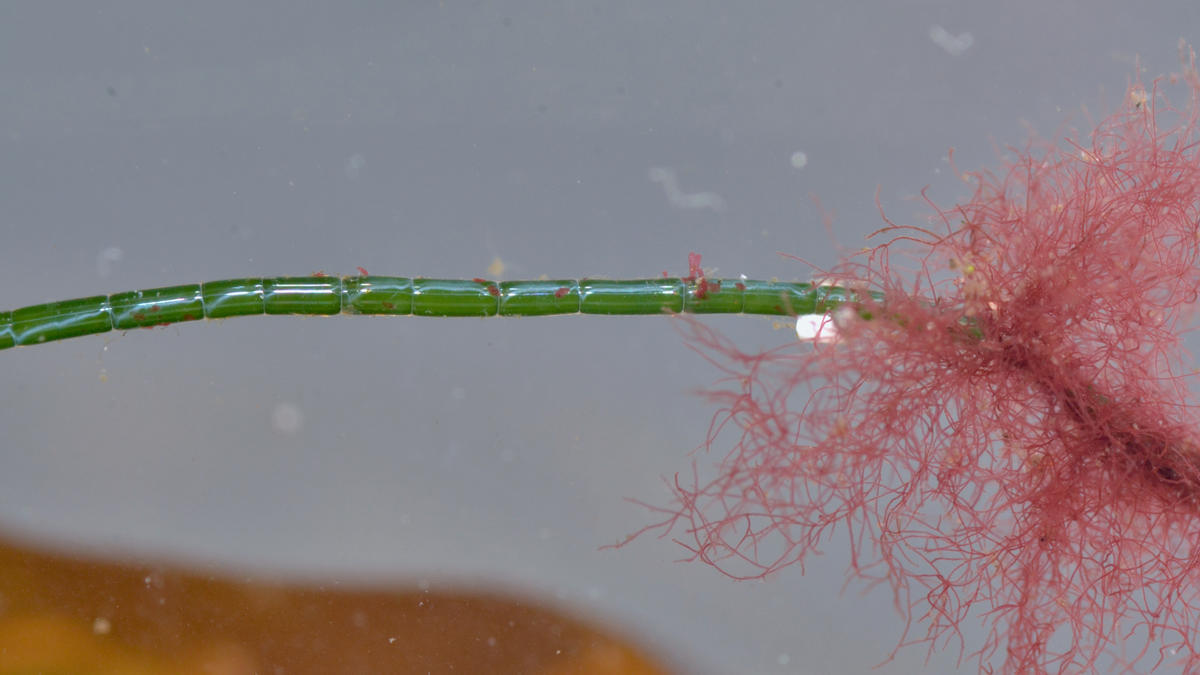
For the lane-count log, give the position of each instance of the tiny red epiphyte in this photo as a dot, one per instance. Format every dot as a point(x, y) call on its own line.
point(561, 292)
point(362, 271)
point(694, 271)
point(696, 276)
point(1012, 439)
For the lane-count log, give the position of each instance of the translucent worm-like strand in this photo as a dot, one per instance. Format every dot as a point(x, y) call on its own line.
point(409, 296)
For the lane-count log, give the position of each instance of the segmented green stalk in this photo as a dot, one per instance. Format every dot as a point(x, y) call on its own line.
point(404, 296)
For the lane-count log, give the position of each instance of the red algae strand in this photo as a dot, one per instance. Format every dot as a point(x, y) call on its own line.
point(1013, 439)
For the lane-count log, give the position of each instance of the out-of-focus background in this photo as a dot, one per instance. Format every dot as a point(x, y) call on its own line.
point(147, 144)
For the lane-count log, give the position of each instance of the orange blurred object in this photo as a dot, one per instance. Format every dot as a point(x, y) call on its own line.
point(67, 614)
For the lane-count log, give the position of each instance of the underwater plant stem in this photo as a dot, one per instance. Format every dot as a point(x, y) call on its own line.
point(409, 296)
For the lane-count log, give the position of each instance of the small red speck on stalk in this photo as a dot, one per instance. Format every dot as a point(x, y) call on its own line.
point(362, 271)
point(1015, 440)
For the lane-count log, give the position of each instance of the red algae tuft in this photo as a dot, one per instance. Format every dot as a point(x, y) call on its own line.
point(1010, 435)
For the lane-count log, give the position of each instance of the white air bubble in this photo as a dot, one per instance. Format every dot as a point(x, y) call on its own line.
point(815, 328)
point(799, 160)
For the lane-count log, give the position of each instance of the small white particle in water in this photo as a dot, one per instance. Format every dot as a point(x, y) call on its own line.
point(391, 641)
point(286, 418)
point(496, 269)
point(815, 328)
point(101, 626)
point(491, 642)
point(680, 199)
point(154, 580)
point(105, 260)
point(799, 160)
point(954, 45)
point(355, 165)
point(784, 659)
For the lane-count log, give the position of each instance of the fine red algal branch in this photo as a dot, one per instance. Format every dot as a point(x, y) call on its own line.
point(1010, 436)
